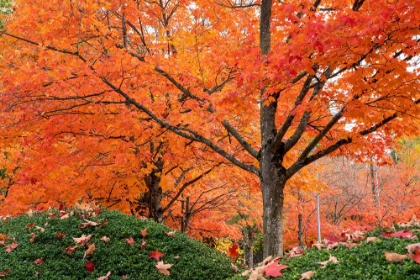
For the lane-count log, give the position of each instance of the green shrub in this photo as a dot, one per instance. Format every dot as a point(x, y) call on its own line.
point(190, 258)
point(361, 262)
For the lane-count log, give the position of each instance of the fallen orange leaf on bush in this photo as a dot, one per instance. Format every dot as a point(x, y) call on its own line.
point(394, 257)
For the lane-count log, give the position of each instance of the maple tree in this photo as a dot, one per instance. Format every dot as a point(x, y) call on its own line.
point(269, 87)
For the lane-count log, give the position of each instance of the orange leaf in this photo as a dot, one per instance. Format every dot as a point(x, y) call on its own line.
point(156, 255)
point(394, 257)
point(144, 232)
point(89, 250)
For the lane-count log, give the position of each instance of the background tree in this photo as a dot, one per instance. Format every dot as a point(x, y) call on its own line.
point(269, 87)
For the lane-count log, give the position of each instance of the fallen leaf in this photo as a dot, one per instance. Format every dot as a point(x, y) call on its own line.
point(92, 223)
point(331, 246)
point(372, 239)
point(91, 248)
point(163, 268)
point(30, 225)
point(295, 252)
point(351, 245)
point(410, 248)
point(106, 277)
point(82, 239)
point(274, 269)
point(156, 255)
point(416, 256)
point(64, 215)
point(331, 239)
point(40, 228)
point(403, 234)
point(70, 249)
point(11, 247)
point(105, 239)
point(4, 273)
point(307, 275)
point(130, 241)
point(60, 235)
point(394, 257)
point(144, 232)
point(387, 234)
point(234, 267)
point(51, 215)
point(30, 213)
point(104, 222)
point(331, 259)
point(171, 234)
point(39, 261)
point(90, 266)
point(143, 244)
point(32, 237)
point(318, 245)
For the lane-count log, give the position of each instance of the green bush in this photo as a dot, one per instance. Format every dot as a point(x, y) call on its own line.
point(190, 258)
point(361, 262)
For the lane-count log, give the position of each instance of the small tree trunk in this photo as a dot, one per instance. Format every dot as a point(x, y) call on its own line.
point(300, 229)
point(154, 195)
point(250, 253)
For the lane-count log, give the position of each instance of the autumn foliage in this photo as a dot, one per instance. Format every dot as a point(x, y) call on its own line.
point(181, 110)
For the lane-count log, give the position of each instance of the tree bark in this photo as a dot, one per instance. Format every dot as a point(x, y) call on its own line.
point(273, 180)
point(154, 195)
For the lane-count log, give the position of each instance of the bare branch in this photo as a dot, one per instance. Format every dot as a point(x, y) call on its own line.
point(241, 140)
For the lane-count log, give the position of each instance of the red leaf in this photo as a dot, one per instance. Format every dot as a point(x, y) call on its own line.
point(156, 255)
point(387, 234)
point(331, 239)
point(90, 266)
point(233, 250)
point(4, 273)
point(39, 261)
point(60, 235)
point(403, 233)
point(130, 241)
point(10, 247)
point(274, 269)
point(70, 249)
point(143, 244)
point(416, 256)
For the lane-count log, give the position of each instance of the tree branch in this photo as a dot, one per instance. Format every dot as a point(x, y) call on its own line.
point(241, 140)
point(184, 132)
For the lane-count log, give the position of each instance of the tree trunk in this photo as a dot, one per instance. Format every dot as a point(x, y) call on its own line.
point(273, 198)
point(273, 180)
point(154, 195)
point(300, 230)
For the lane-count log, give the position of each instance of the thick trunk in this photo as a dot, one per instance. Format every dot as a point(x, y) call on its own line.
point(272, 188)
point(273, 181)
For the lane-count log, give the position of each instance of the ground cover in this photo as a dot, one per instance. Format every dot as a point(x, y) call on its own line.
point(85, 244)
